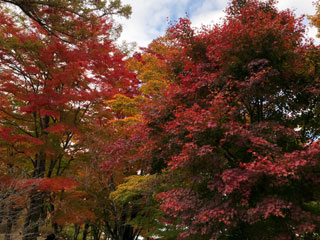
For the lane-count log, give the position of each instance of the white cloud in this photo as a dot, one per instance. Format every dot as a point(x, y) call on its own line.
point(312, 32)
point(300, 6)
point(206, 18)
point(150, 18)
point(209, 12)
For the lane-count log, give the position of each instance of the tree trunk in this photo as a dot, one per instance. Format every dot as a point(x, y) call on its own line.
point(127, 233)
point(31, 226)
point(12, 218)
point(8, 228)
point(36, 205)
point(85, 231)
point(56, 229)
point(2, 209)
point(95, 232)
point(76, 231)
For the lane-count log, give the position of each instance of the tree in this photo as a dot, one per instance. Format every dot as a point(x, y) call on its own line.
point(237, 135)
point(61, 18)
point(315, 18)
point(13, 196)
point(152, 69)
point(111, 174)
point(106, 165)
point(53, 89)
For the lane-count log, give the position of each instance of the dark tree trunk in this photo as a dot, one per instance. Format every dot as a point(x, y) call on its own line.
point(55, 228)
point(76, 231)
point(2, 209)
point(95, 232)
point(36, 205)
point(12, 218)
point(8, 228)
point(127, 233)
point(85, 231)
point(31, 226)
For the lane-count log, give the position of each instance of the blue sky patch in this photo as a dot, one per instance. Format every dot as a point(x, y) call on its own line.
point(150, 18)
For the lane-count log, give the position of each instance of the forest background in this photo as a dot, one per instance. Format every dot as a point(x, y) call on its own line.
point(206, 133)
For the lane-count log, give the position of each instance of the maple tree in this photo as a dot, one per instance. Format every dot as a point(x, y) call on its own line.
point(236, 136)
point(53, 88)
point(108, 163)
point(99, 170)
point(218, 139)
point(61, 17)
point(152, 69)
point(122, 206)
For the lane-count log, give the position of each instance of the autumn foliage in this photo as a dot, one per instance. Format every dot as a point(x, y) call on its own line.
point(236, 137)
point(208, 133)
point(53, 89)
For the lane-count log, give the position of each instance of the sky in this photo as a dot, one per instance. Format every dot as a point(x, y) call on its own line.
point(150, 18)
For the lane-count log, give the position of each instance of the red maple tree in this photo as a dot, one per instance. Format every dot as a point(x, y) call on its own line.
point(53, 89)
point(236, 137)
